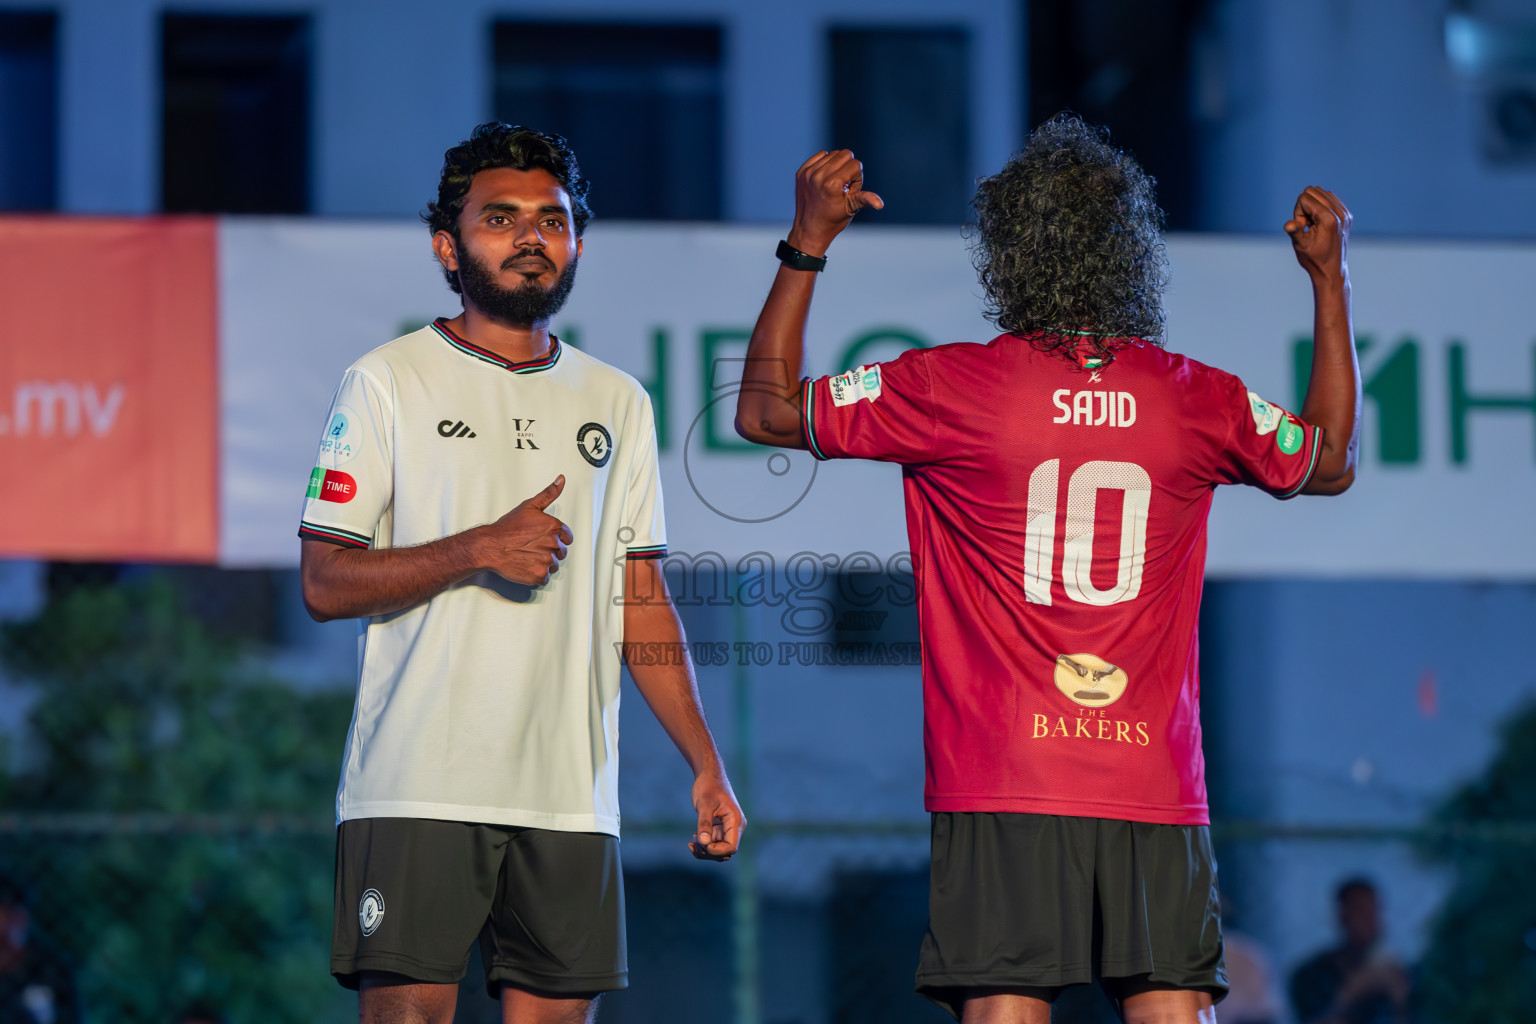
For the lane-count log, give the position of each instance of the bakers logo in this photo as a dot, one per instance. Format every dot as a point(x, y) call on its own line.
point(1094, 683)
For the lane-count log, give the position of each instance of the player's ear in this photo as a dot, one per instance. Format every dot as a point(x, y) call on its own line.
point(446, 250)
point(578, 247)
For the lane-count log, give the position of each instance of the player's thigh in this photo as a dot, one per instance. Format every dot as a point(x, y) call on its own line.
point(1017, 1006)
point(557, 922)
point(411, 896)
point(1010, 909)
point(519, 1006)
point(384, 998)
point(1159, 914)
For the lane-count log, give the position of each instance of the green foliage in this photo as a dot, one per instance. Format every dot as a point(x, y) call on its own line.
point(1480, 964)
point(140, 710)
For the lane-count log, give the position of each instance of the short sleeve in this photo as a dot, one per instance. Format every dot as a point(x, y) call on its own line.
point(884, 411)
point(1267, 447)
point(352, 483)
point(644, 519)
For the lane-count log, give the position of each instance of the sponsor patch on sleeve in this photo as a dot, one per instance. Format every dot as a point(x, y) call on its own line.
point(341, 442)
point(1290, 437)
point(860, 383)
point(1266, 416)
point(332, 485)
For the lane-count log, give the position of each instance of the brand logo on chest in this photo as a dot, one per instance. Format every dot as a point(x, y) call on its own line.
point(595, 444)
point(523, 434)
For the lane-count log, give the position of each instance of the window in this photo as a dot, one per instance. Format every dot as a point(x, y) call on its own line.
point(639, 104)
point(900, 101)
point(235, 128)
point(1127, 65)
point(29, 97)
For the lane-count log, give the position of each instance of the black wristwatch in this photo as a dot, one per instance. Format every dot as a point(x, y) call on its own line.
point(794, 259)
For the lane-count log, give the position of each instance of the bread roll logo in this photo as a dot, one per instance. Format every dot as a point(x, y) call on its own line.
point(1089, 680)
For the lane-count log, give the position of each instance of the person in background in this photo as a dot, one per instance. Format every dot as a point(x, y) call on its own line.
point(37, 984)
point(1358, 981)
point(1251, 999)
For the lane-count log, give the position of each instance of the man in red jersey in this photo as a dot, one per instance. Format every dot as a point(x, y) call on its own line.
point(1057, 483)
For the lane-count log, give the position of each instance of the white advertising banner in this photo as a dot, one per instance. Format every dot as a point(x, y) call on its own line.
point(1448, 471)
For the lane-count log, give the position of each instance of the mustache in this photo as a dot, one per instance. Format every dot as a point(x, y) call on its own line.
point(524, 254)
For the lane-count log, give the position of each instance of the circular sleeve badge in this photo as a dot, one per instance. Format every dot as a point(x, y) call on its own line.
point(595, 444)
point(1289, 437)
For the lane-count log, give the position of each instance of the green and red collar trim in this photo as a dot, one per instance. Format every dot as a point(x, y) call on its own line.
point(544, 362)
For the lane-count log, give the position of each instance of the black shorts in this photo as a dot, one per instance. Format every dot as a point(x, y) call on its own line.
point(412, 895)
point(1045, 901)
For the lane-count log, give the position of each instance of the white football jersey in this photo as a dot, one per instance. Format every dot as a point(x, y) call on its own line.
point(492, 702)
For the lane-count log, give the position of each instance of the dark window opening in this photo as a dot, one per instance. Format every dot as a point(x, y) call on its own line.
point(235, 120)
point(874, 613)
point(1127, 65)
point(639, 104)
point(29, 116)
point(900, 100)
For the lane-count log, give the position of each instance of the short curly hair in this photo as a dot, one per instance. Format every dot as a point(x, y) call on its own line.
point(1068, 237)
point(492, 145)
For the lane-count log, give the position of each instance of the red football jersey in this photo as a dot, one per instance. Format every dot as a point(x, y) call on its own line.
point(1056, 515)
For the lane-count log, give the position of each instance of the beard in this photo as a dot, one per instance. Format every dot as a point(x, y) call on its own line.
point(523, 306)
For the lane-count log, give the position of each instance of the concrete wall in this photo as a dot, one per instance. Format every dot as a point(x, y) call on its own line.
point(1357, 96)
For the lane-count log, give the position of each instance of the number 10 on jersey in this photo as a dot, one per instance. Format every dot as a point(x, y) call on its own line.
point(1077, 548)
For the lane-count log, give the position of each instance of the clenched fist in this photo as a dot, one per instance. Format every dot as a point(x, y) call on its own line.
point(527, 544)
point(829, 190)
point(1319, 230)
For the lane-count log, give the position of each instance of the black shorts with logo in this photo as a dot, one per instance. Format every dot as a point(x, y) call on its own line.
point(1045, 901)
point(413, 894)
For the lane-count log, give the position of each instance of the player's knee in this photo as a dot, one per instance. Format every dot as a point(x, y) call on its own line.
point(385, 998)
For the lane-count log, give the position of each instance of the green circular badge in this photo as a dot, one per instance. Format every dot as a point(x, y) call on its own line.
point(1289, 437)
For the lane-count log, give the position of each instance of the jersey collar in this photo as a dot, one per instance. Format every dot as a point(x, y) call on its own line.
point(544, 362)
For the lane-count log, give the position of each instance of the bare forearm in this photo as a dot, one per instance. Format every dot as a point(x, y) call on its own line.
point(1333, 394)
point(668, 684)
point(345, 583)
point(768, 405)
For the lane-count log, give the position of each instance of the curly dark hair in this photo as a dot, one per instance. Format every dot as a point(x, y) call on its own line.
point(1068, 242)
point(493, 145)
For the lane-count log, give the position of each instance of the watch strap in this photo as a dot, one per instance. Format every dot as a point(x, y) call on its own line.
point(794, 259)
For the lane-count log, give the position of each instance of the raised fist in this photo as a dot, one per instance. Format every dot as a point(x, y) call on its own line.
point(829, 190)
point(1319, 230)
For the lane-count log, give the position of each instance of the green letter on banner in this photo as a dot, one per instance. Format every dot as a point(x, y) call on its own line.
point(1463, 403)
point(656, 386)
point(1394, 387)
point(718, 393)
point(855, 349)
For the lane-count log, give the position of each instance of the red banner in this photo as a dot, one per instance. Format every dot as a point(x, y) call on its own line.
point(108, 389)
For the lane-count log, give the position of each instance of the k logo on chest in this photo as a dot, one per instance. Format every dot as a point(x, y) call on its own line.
point(523, 430)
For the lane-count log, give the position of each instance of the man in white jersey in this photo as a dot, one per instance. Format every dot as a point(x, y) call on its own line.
point(478, 794)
